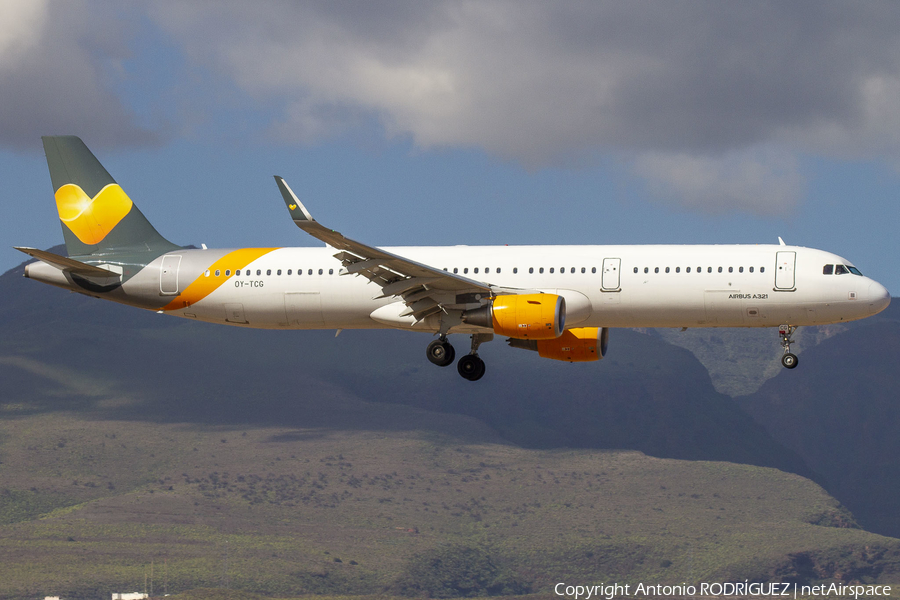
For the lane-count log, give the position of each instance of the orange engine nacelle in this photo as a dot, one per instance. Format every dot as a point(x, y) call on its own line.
point(582, 344)
point(522, 316)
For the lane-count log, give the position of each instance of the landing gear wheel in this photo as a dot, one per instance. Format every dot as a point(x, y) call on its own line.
point(789, 360)
point(471, 367)
point(441, 353)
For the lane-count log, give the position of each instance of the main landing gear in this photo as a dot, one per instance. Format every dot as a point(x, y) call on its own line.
point(470, 366)
point(440, 352)
point(789, 360)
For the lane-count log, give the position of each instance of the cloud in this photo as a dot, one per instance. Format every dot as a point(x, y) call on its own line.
point(732, 93)
point(58, 65)
point(685, 87)
point(21, 25)
point(763, 182)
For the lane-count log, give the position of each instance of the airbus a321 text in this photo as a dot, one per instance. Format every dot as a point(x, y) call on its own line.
point(557, 300)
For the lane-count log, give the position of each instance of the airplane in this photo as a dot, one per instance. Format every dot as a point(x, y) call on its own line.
point(559, 301)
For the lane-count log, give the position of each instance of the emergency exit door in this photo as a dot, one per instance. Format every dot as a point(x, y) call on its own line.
point(610, 279)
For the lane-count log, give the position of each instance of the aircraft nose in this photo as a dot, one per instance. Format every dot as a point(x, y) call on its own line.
point(879, 297)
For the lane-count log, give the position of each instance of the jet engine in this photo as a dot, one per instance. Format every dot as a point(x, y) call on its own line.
point(581, 344)
point(522, 316)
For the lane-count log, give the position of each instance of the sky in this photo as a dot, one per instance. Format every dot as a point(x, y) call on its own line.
point(467, 122)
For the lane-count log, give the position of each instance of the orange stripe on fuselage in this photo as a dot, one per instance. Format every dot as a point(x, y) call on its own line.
point(205, 285)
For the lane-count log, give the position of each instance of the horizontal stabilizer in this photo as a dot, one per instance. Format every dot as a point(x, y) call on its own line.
point(65, 263)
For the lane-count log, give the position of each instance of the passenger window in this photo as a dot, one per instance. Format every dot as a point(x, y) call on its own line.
point(656, 270)
point(699, 269)
point(258, 272)
point(838, 270)
point(498, 270)
point(309, 272)
point(227, 272)
point(299, 271)
point(593, 269)
point(828, 270)
point(475, 270)
point(720, 269)
point(487, 269)
point(688, 270)
point(583, 269)
point(238, 272)
point(331, 271)
point(289, 271)
point(573, 270)
point(541, 270)
point(709, 269)
point(320, 271)
point(678, 269)
point(751, 269)
point(646, 269)
point(731, 269)
point(455, 269)
point(635, 269)
point(667, 269)
point(466, 270)
point(515, 270)
point(217, 273)
point(531, 269)
point(268, 271)
point(740, 269)
point(278, 272)
point(762, 269)
point(551, 269)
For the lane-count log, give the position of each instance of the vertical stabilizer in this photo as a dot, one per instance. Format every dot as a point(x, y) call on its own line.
point(97, 217)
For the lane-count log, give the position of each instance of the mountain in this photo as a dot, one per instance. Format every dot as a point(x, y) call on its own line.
point(646, 395)
point(301, 462)
point(840, 411)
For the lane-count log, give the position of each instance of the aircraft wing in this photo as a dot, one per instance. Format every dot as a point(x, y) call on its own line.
point(426, 290)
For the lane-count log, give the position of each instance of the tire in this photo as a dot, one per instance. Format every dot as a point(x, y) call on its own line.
point(471, 367)
point(440, 353)
point(789, 361)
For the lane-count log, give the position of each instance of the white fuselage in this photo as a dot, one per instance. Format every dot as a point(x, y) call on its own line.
point(604, 286)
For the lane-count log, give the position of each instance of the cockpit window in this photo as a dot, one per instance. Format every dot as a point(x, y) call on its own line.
point(840, 270)
point(828, 270)
point(854, 270)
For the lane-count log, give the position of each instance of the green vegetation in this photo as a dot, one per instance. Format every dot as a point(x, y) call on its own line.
point(200, 459)
point(456, 571)
point(284, 512)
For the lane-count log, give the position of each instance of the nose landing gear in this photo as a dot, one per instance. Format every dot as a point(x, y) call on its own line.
point(788, 360)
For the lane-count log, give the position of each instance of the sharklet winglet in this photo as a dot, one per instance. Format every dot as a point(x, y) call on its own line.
point(298, 211)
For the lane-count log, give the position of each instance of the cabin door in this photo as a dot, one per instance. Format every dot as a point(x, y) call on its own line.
point(784, 270)
point(168, 275)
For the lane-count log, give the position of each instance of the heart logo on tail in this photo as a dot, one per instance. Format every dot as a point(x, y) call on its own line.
point(91, 219)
